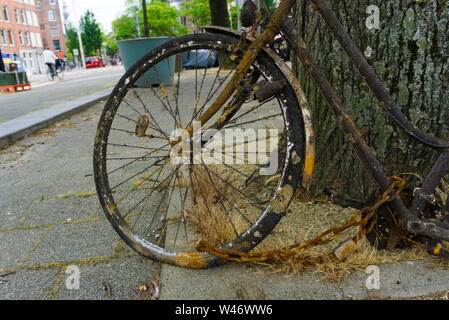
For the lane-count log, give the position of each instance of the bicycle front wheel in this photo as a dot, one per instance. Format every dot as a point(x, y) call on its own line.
point(60, 74)
point(236, 194)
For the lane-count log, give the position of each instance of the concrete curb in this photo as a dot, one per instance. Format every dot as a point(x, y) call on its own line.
point(403, 280)
point(13, 130)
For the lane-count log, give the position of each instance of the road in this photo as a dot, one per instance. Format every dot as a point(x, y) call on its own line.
point(45, 94)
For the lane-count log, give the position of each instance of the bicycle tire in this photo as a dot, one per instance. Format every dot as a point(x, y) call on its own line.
point(60, 74)
point(292, 163)
point(50, 76)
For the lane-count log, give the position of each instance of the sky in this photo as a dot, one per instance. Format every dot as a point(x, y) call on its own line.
point(105, 10)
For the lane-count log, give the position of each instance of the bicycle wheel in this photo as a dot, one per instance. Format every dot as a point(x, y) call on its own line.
point(160, 207)
point(60, 74)
point(50, 75)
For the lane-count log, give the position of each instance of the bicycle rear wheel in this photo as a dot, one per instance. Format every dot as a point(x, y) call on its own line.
point(50, 75)
point(160, 207)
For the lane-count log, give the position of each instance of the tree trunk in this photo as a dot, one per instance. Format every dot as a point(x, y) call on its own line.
point(409, 49)
point(146, 28)
point(219, 13)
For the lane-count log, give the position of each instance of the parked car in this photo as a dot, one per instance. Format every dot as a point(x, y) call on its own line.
point(94, 62)
point(201, 58)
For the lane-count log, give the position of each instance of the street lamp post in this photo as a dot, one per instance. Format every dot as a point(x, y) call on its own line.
point(80, 40)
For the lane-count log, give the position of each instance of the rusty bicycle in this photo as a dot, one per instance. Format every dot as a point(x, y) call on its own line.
point(162, 208)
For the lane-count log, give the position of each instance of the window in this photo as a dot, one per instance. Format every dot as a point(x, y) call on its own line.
point(52, 2)
point(42, 27)
point(10, 38)
point(27, 38)
point(22, 42)
point(23, 16)
point(56, 44)
point(3, 38)
point(35, 21)
point(16, 15)
point(29, 18)
point(51, 15)
point(5, 13)
point(54, 30)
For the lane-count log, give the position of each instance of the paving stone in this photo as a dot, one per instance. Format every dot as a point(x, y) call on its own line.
point(28, 284)
point(16, 244)
point(122, 276)
point(77, 241)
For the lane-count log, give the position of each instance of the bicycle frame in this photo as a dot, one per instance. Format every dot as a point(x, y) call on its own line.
point(407, 216)
point(281, 23)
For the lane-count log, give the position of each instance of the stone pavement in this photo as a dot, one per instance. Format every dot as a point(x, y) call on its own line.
point(50, 219)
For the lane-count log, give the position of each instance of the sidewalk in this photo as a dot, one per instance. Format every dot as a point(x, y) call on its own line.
point(50, 219)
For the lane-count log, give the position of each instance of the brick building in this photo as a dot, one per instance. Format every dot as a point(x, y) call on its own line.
point(20, 37)
point(51, 25)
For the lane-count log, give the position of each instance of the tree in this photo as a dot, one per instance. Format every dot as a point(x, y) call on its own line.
point(124, 27)
point(163, 20)
point(91, 34)
point(219, 13)
point(198, 11)
point(72, 41)
point(110, 44)
point(146, 28)
point(408, 48)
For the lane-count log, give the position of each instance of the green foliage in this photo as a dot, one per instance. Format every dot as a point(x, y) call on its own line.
point(163, 20)
point(234, 16)
point(72, 41)
point(91, 34)
point(124, 27)
point(110, 44)
point(198, 11)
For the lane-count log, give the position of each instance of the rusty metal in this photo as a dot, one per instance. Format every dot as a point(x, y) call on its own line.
point(360, 219)
point(302, 101)
point(265, 90)
point(249, 57)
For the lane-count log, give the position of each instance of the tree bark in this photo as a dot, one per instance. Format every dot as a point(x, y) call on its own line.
point(410, 51)
point(219, 13)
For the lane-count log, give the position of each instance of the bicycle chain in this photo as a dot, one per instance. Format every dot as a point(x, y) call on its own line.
point(395, 188)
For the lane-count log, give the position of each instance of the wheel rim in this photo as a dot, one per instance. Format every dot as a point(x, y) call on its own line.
point(207, 200)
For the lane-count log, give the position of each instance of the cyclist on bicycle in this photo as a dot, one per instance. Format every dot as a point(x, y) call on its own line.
point(50, 60)
point(60, 62)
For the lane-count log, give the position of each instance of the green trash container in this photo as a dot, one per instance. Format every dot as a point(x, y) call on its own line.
point(133, 49)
